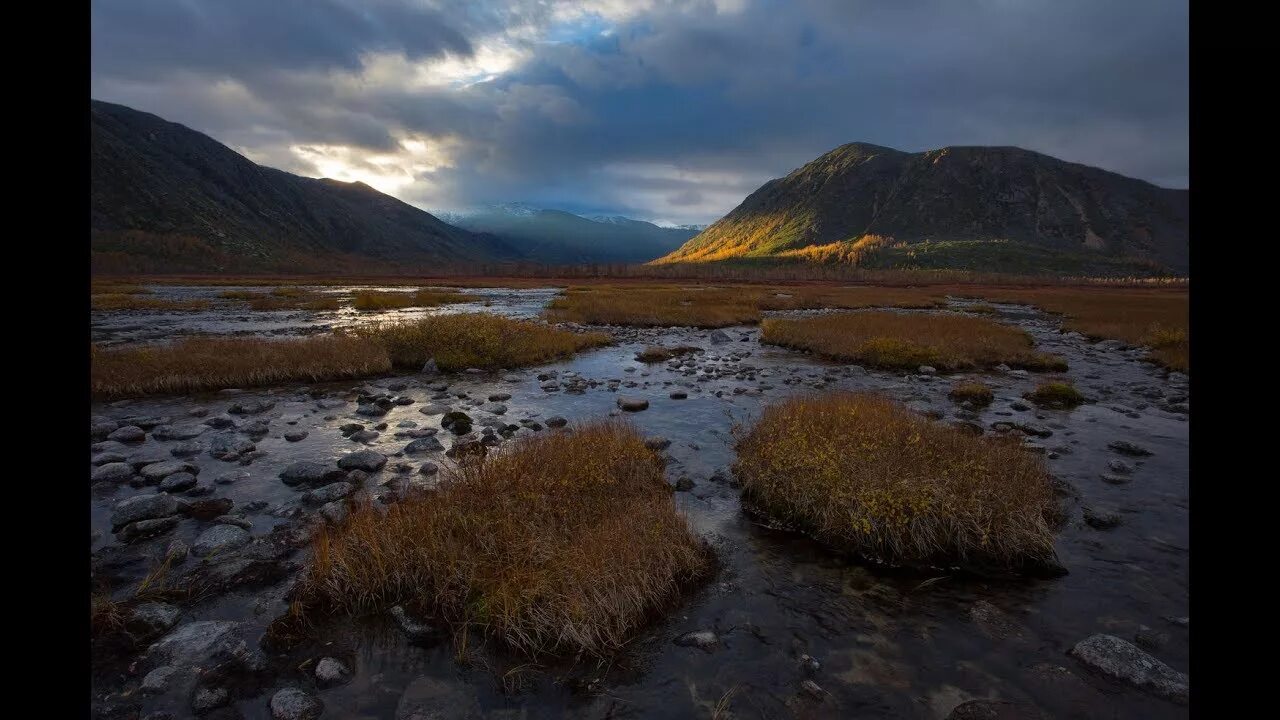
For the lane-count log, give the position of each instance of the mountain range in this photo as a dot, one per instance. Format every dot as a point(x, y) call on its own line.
point(559, 237)
point(980, 208)
point(165, 198)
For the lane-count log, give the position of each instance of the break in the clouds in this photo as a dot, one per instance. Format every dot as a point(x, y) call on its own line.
point(663, 110)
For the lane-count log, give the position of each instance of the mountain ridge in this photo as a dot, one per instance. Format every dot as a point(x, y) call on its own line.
point(874, 205)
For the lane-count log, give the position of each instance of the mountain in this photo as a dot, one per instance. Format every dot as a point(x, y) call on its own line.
point(166, 198)
point(979, 208)
point(555, 236)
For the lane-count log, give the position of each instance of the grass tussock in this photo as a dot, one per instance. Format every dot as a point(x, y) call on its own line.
point(568, 543)
point(907, 341)
point(113, 302)
point(659, 353)
point(475, 340)
point(213, 363)
point(865, 475)
point(1056, 395)
point(718, 306)
point(373, 300)
point(976, 393)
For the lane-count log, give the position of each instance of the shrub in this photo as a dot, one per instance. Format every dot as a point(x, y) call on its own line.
point(1056, 395)
point(568, 543)
point(974, 392)
point(863, 474)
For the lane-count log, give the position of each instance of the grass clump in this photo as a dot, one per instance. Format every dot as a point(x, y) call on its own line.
point(865, 475)
point(975, 393)
point(475, 340)
point(212, 363)
point(568, 543)
point(659, 353)
point(1056, 395)
point(907, 341)
point(373, 300)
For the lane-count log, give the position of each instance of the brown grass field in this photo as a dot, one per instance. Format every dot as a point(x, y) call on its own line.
point(213, 363)
point(456, 342)
point(865, 475)
point(475, 340)
point(373, 300)
point(566, 544)
point(139, 301)
point(907, 341)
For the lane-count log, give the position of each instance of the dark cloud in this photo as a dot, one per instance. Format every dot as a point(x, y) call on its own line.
point(664, 110)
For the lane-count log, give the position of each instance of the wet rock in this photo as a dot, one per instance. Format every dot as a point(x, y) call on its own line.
point(413, 629)
point(657, 442)
point(157, 681)
point(718, 337)
point(295, 704)
point(143, 507)
point(810, 664)
point(178, 482)
point(1179, 621)
point(229, 447)
point(699, 638)
point(334, 512)
point(499, 397)
point(175, 432)
point(986, 709)
point(116, 472)
point(1116, 465)
point(295, 435)
point(219, 539)
point(463, 449)
point(204, 643)
point(363, 436)
point(456, 422)
point(556, 422)
point(433, 409)
point(329, 493)
point(366, 460)
point(993, 621)
point(427, 444)
point(1112, 479)
point(220, 422)
point(305, 472)
point(144, 529)
point(231, 477)
point(632, 404)
point(186, 449)
point(496, 408)
point(813, 690)
point(1124, 447)
point(100, 429)
point(108, 457)
point(349, 428)
point(128, 434)
point(205, 510)
point(927, 370)
point(430, 367)
point(429, 698)
point(177, 552)
point(251, 408)
point(1128, 663)
point(331, 671)
point(207, 699)
point(679, 395)
point(155, 472)
point(1100, 519)
point(684, 484)
point(233, 520)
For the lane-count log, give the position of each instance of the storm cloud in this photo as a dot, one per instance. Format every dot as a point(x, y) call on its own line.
point(668, 111)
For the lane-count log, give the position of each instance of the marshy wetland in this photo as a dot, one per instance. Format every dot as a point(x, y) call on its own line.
point(639, 501)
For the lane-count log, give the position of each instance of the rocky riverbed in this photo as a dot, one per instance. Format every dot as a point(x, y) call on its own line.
point(219, 491)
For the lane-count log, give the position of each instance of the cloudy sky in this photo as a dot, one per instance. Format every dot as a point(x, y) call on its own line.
point(671, 111)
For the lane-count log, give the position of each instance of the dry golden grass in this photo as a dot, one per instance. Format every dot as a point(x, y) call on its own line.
point(475, 340)
point(718, 306)
point(373, 300)
point(865, 475)
point(240, 294)
point(1155, 317)
point(973, 392)
point(110, 302)
point(117, 288)
point(212, 363)
point(907, 341)
point(568, 543)
point(1056, 394)
point(659, 353)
